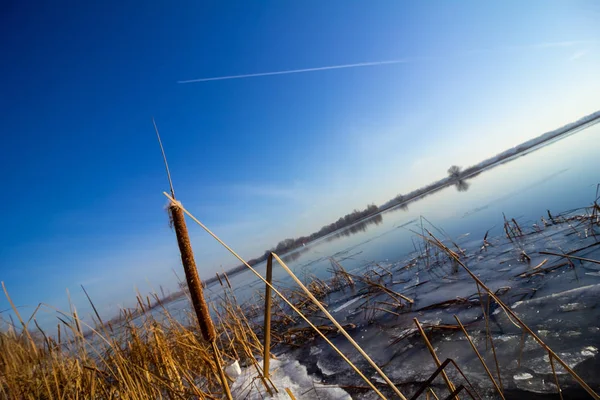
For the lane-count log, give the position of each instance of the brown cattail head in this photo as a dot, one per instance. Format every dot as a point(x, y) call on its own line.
point(191, 273)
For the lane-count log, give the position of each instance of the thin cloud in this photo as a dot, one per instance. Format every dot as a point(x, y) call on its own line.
point(296, 71)
point(578, 55)
point(563, 43)
point(534, 46)
point(293, 191)
point(551, 45)
point(542, 45)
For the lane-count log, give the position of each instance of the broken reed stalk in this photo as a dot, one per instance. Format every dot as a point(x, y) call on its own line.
point(347, 276)
point(555, 376)
point(385, 289)
point(570, 257)
point(486, 315)
point(195, 287)
point(514, 316)
point(278, 293)
point(521, 347)
point(487, 370)
point(23, 324)
point(289, 393)
point(437, 361)
point(340, 327)
point(433, 394)
point(267, 322)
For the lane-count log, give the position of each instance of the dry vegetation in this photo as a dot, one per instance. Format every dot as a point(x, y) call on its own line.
point(152, 356)
point(150, 353)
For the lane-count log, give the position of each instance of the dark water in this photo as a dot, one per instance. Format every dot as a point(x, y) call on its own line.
point(561, 307)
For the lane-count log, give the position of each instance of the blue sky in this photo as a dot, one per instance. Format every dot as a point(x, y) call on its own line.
point(262, 158)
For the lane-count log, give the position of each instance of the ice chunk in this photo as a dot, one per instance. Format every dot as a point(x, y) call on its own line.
point(324, 369)
point(541, 365)
point(522, 376)
point(346, 304)
point(589, 351)
point(233, 370)
point(571, 307)
point(314, 350)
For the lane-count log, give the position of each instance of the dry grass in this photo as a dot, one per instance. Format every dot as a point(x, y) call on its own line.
point(149, 356)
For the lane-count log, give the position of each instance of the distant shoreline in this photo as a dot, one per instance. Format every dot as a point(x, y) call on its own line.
point(470, 172)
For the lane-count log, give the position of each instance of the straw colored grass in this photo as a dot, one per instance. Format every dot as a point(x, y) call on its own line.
point(151, 355)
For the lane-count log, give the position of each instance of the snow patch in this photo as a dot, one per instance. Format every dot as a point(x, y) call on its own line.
point(571, 307)
point(284, 374)
point(522, 376)
point(346, 304)
point(314, 350)
point(589, 351)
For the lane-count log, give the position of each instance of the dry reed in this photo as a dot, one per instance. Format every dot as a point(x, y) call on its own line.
point(144, 355)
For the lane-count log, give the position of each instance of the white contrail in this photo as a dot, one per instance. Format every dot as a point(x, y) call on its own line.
point(295, 71)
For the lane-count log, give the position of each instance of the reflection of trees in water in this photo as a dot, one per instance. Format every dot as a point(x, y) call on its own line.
point(456, 173)
point(403, 207)
point(294, 255)
point(361, 226)
point(462, 186)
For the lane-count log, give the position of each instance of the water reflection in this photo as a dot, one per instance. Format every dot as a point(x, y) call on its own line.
point(401, 202)
point(361, 226)
point(295, 254)
point(462, 185)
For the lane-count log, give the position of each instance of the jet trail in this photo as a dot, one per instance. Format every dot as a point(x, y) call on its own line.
point(295, 71)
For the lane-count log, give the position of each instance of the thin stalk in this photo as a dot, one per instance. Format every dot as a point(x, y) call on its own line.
point(487, 370)
point(340, 327)
point(259, 276)
point(437, 361)
point(570, 257)
point(514, 316)
point(25, 330)
point(267, 322)
point(555, 377)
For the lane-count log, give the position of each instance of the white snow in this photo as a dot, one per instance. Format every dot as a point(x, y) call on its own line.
point(522, 376)
point(589, 351)
point(285, 374)
point(346, 304)
point(233, 370)
point(571, 307)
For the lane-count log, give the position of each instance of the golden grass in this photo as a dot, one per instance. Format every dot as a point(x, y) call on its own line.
point(149, 356)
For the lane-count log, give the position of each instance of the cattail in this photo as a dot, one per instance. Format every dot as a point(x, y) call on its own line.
point(191, 273)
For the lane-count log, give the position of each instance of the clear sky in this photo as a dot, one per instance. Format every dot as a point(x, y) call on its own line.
point(259, 158)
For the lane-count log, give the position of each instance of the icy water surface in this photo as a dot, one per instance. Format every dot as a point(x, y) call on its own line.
point(560, 305)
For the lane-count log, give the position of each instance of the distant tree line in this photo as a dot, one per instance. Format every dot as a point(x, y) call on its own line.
point(456, 176)
point(360, 226)
point(290, 244)
point(454, 172)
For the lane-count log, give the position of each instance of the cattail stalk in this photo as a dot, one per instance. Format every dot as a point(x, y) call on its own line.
point(267, 321)
point(195, 287)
